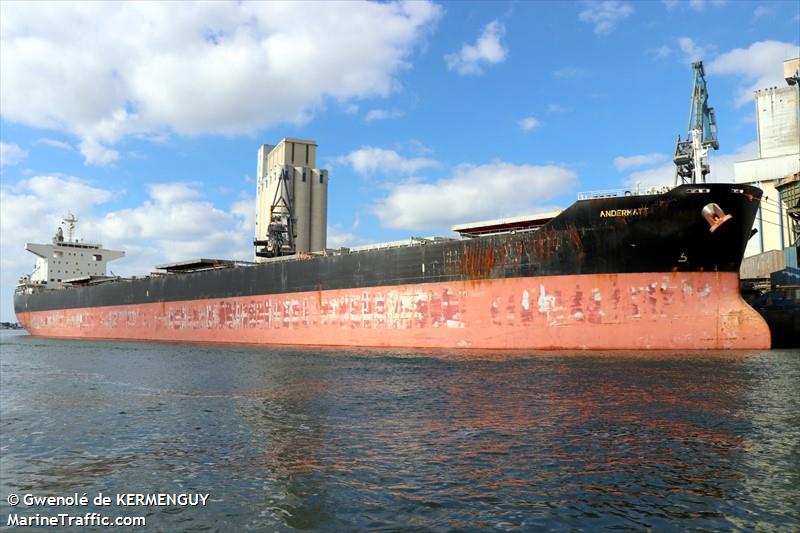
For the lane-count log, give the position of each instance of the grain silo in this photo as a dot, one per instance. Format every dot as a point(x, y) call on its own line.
point(319, 209)
point(291, 200)
point(302, 208)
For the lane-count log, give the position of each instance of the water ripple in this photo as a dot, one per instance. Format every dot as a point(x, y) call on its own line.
point(369, 439)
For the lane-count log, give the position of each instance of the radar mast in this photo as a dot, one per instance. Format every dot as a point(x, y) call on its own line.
point(70, 221)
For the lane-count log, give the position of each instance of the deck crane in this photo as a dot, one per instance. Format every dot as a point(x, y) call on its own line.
point(691, 155)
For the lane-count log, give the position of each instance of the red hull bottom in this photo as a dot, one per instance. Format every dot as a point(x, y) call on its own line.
point(601, 311)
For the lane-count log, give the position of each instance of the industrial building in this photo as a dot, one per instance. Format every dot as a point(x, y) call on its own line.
point(291, 200)
point(777, 169)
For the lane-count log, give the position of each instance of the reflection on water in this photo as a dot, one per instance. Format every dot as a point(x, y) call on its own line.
point(326, 439)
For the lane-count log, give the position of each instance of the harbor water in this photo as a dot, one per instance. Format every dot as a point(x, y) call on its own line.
point(344, 440)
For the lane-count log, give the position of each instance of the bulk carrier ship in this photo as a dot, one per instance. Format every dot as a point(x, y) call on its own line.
point(612, 271)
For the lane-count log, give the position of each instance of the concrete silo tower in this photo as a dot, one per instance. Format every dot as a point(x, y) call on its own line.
point(291, 200)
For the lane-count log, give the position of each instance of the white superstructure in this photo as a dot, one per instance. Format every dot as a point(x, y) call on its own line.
point(65, 259)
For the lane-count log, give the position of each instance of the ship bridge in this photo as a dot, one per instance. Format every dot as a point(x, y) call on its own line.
point(65, 259)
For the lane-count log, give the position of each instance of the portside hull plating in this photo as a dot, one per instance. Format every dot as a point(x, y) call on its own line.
point(672, 310)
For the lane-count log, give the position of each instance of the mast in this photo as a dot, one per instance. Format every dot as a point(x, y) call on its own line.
point(70, 221)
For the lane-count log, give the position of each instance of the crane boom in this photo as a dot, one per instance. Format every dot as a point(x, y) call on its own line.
point(691, 154)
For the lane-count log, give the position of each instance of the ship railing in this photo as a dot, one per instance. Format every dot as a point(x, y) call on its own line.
point(412, 241)
point(30, 287)
point(615, 193)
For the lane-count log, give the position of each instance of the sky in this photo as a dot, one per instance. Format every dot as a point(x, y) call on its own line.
point(144, 119)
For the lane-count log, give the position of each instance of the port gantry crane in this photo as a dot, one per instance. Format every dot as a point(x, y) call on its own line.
point(691, 155)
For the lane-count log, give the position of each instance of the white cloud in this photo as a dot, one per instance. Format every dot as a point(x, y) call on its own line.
point(382, 114)
point(487, 49)
point(11, 154)
point(695, 5)
point(473, 192)
point(158, 137)
point(55, 194)
point(369, 160)
point(571, 73)
point(624, 163)
point(529, 123)
point(176, 222)
point(103, 71)
point(170, 193)
point(662, 52)
point(700, 5)
point(605, 15)
point(556, 108)
point(759, 66)
point(417, 147)
point(337, 238)
point(691, 51)
point(762, 11)
point(95, 153)
point(55, 143)
point(660, 176)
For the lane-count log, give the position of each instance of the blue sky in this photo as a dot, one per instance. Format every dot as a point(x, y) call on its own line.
point(144, 119)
